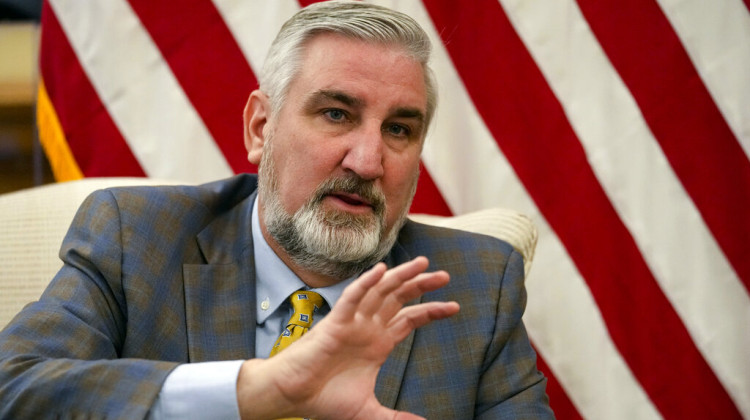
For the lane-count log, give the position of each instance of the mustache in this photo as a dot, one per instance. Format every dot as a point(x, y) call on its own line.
point(352, 184)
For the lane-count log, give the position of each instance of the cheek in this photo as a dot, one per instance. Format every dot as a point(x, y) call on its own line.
point(398, 184)
point(304, 169)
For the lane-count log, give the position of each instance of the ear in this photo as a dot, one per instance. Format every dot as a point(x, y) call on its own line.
point(255, 118)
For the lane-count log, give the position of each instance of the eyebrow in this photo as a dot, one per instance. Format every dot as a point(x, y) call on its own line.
point(412, 113)
point(321, 96)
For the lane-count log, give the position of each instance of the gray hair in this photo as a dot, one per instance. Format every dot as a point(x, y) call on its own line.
point(352, 19)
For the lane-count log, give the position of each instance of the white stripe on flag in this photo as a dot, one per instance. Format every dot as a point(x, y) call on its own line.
point(568, 330)
point(716, 36)
point(575, 344)
point(254, 24)
point(140, 92)
point(666, 225)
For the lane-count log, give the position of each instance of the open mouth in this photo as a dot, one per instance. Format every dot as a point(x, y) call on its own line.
point(351, 195)
point(349, 200)
point(352, 199)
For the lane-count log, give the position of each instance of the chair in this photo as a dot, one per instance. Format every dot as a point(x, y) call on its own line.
point(34, 221)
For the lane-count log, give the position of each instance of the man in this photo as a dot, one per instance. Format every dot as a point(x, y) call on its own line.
point(171, 298)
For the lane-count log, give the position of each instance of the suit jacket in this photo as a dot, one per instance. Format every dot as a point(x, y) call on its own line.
point(157, 276)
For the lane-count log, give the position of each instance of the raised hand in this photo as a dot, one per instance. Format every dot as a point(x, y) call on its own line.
point(330, 372)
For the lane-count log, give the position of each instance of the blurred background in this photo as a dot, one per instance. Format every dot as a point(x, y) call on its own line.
point(22, 161)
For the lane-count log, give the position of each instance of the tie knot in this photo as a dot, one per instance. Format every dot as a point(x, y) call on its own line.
point(304, 303)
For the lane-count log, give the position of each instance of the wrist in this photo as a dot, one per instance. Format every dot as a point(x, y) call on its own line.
point(257, 397)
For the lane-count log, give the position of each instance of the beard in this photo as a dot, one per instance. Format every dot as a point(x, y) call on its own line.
point(329, 242)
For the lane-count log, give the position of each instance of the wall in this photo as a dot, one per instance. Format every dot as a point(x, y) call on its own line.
point(22, 162)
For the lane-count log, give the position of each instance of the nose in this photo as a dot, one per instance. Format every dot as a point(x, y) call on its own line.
point(365, 153)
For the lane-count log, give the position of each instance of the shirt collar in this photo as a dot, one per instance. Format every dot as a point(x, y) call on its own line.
point(275, 281)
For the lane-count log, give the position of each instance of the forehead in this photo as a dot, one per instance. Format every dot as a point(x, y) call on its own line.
point(365, 70)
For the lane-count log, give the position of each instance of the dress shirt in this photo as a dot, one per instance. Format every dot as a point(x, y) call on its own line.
point(208, 389)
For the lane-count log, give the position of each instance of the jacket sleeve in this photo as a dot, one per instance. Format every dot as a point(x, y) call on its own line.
point(511, 386)
point(60, 356)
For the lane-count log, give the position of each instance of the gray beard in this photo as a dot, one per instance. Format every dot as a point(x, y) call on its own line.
point(328, 242)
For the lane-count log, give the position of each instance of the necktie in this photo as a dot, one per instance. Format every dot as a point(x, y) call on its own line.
point(304, 303)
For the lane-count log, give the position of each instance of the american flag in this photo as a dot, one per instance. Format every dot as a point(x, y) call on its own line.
point(621, 127)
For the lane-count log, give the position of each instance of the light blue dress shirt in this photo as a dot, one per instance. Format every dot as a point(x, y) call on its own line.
point(209, 389)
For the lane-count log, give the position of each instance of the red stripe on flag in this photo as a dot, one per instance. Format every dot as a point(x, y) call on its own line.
point(199, 48)
point(428, 199)
point(563, 407)
point(678, 108)
point(530, 127)
point(94, 139)
point(305, 3)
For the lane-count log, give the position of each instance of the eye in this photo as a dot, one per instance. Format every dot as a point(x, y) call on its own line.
point(398, 130)
point(335, 114)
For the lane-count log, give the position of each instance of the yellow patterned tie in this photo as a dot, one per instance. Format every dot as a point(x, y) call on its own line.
point(304, 303)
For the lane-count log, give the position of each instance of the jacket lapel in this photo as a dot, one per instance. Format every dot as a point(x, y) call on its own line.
point(220, 295)
point(391, 374)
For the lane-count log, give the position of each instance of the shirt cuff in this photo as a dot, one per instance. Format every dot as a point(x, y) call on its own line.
point(199, 390)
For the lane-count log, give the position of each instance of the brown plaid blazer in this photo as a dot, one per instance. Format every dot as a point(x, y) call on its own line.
point(157, 276)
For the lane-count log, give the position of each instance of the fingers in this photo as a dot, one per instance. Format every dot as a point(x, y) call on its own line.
point(393, 283)
point(353, 294)
point(412, 317)
point(419, 285)
point(411, 289)
point(380, 294)
point(368, 292)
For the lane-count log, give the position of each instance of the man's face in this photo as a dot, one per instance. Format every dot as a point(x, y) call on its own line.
point(354, 112)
